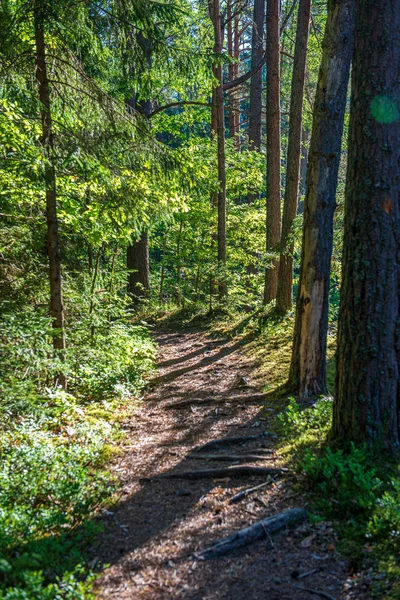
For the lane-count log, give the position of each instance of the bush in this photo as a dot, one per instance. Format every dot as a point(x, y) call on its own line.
point(53, 446)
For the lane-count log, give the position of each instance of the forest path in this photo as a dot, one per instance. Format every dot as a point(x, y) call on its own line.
point(151, 536)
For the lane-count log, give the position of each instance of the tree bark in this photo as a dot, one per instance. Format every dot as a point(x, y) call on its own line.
point(233, 71)
point(285, 274)
point(273, 228)
point(137, 254)
point(305, 138)
point(53, 241)
point(257, 50)
point(215, 15)
point(137, 262)
point(308, 365)
point(367, 403)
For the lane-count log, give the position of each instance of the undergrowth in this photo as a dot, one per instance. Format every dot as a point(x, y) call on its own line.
point(54, 445)
point(357, 489)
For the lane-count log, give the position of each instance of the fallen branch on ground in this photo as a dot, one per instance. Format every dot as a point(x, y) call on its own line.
point(233, 471)
point(257, 531)
point(313, 591)
point(231, 457)
point(228, 441)
point(244, 493)
point(212, 399)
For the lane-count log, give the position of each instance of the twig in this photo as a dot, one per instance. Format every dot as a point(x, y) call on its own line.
point(308, 573)
point(314, 591)
point(244, 493)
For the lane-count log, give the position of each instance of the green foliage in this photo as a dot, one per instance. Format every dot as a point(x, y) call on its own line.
point(347, 481)
point(53, 444)
point(355, 488)
point(296, 420)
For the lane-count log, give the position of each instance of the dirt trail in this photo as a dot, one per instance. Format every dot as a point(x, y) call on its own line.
point(152, 535)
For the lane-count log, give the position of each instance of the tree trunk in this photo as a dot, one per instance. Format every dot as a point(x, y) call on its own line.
point(219, 100)
point(273, 146)
point(308, 366)
point(305, 138)
point(257, 38)
point(137, 262)
point(367, 403)
point(179, 267)
point(285, 274)
point(53, 242)
point(137, 255)
point(163, 268)
point(255, 111)
point(233, 71)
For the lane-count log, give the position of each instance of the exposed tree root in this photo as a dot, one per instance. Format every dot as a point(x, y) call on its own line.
point(254, 532)
point(228, 441)
point(211, 399)
point(232, 471)
point(228, 457)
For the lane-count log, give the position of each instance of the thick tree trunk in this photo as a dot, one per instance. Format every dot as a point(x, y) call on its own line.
point(273, 146)
point(215, 14)
point(137, 262)
point(285, 274)
point(308, 366)
point(53, 242)
point(367, 403)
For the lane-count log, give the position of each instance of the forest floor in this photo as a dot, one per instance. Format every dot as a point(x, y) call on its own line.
point(152, 535)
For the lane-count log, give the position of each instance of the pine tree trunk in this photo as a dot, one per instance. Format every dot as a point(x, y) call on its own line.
point(308, 366)
point(233, 72)
point(285, 274)
point(273, 146)
point(255, 111)
point(137, 262)
point(137, 254)
point(219, 100)
point(53, 241)
point(367, 403)
point(305, 138)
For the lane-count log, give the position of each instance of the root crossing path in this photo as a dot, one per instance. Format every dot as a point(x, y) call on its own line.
point(155, 537)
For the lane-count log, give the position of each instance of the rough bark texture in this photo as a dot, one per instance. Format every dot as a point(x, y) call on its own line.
point(273, 146)
point(257, 531)
point(285, 274)
point(367, 404)
point(308, 365)
point(53, 242)
point(215, 15)
point(137, 262)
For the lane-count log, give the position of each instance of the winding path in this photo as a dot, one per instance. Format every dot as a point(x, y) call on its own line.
point(152, 535)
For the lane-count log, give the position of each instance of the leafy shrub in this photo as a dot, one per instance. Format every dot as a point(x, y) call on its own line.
point(53, 445)
point(347, 481)
point(295, 420)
